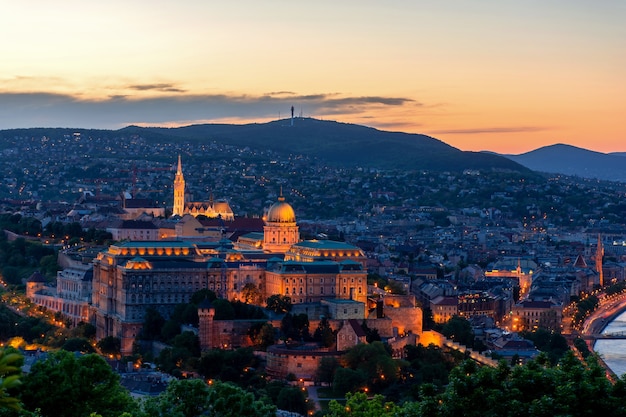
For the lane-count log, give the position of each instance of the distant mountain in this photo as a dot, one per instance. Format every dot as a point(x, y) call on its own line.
point(570, 160)
point(339, 144)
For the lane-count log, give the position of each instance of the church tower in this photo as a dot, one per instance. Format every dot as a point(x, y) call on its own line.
point(599, 255)
point(179, 191)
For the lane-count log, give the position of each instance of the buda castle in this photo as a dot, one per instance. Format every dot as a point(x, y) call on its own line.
point(132, 276)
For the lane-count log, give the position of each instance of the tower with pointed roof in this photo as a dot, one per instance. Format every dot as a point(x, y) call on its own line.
point(179, 191)
point(211, 208)
point(599, 255)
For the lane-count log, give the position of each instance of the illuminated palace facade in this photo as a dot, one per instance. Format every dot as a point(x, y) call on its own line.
point(132, 276)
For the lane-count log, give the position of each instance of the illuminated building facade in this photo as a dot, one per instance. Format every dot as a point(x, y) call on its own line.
point(211, 209)
point(306, 282)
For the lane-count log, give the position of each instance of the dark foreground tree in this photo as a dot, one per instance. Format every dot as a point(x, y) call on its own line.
point(191, 398)
point(66, 386)
point(10, 362)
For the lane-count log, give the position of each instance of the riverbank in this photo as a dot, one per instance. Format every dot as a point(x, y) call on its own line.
point(596, 323)
point(608, 311)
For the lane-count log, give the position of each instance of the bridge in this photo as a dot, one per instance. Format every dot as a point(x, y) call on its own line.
point(613, 335)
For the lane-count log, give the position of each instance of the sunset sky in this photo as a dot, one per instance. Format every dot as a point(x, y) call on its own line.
point(501, 75)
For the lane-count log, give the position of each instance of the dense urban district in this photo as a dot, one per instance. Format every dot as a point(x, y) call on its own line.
point(188, 278)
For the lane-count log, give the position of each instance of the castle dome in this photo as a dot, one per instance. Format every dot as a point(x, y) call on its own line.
point(281, 212)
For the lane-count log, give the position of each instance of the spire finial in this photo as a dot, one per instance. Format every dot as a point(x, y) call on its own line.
point(280, 197)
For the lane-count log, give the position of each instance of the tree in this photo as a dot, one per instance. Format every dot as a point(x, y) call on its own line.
point(324, 333)
point(188, 340)
point(223, 309)
point(11, 275)
point(326, 370)
point(571, 388)
point(110, 345)
point(199, 296)
point(78, 344)
point(88, 379)
point(152, 324)
point(228, 400)
point(460, 330)
point(170, 329)
point(10, 372)
point(250, 294)
point(262, 335)
point(182, 398)
point(279, 303)
point(357, 404)
point(292, 399)
point(374, 362)
point(185, 313)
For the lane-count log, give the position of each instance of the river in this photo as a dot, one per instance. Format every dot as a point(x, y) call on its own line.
point(613, 351)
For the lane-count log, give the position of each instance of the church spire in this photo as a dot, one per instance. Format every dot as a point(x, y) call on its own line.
point(281, 197)
point(179, 190)
point(599, 255)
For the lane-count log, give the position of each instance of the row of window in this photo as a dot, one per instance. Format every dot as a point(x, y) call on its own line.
point(300, 290)
point(332, 280)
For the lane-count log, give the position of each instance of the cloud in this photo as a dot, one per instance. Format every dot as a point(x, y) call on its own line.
point(163, 87)
point(281, 93)
point(485, 130)
point(64, 110)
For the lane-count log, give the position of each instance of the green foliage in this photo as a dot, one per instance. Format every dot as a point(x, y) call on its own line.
point(33, 329)
point(8, 322)
point(324, 334)
point(152, 324)
point(552, 343)
point(292, 399)
point(199, 296)
point(245, 311)
point(182, 398)
point(429, 365)
point(584, 307)
point(346, 380)
point(110, 345)
point(188, 340)
point(459, 330)
point(64, 385)
point(295, 327)
point(358, 404)
point(534, 389)
point(186, 313)
point(78, 344)
point(279, 303)
point(262, 335)
point(223, 309)
point(228, 400)
point(73, 232)
point(374, 362)
point(229, 365)
point(582, 347)
point(11, 275)
point(325, 372)
point(19, 224)
point(194, 398)
point(170, 329)
point(10, 374)
point(250, 294)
